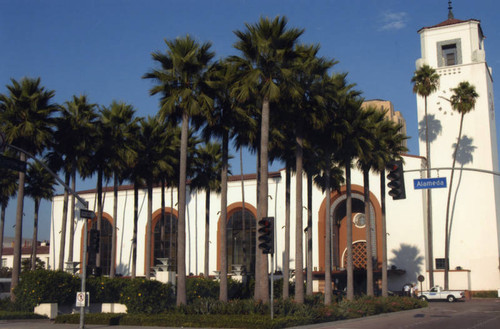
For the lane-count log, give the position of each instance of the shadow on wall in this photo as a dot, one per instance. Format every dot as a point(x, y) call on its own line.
point(407, 258)
point(435, 128)
point(464, 156)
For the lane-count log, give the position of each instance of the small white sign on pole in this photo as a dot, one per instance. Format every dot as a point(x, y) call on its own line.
point(81, 301)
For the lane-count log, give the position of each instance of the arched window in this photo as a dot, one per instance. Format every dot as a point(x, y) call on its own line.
point(165, 239)
point(241, 240)
point(105, 250)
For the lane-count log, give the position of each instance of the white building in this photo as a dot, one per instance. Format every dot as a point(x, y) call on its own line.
point(475, 235)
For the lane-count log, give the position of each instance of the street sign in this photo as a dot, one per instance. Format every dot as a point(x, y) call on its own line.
point(85, 213)
point(82, 299)
point(426, 183)
point(11, 163)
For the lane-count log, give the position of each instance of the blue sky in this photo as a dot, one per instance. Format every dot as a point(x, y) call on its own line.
point(102, 48)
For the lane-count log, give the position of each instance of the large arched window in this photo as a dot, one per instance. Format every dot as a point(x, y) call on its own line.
point(165, 239)
point(105, 250)
point(241, 240)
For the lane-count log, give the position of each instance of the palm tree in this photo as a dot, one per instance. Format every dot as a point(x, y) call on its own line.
point(463, 101)
point(267, 53)
point(349, 123)
point(426, 81)
point(39, 185)
point(27, 115)
point(389, 141)
point(120, 124)
point(154, 140)
point(308, 71)
point(208, 164)
point(180, 80)
point(367, 159)
point(78, 115)
point(8, 187)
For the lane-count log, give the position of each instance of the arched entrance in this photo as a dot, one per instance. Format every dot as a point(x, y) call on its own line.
point(339, 229)
point(240, 237)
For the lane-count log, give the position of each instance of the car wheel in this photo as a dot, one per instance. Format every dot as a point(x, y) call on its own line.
point(450, 298)
point(423, 298)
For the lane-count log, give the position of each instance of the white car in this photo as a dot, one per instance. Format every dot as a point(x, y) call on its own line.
point(437, 293)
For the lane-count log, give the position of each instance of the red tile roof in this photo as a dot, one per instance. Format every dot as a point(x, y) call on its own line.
point(450, 21)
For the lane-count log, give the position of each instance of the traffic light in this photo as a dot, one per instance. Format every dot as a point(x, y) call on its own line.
point(266, 235)
point(396, 180)
point(94, 241)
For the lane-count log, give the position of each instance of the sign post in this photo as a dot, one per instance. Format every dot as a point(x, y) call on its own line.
point(85, 214)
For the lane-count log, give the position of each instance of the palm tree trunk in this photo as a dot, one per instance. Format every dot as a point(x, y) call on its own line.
point(350, 267)
point(181, 226)
point(309, 278)
point(261, 279)
point(207, 232)
point(446, 228)
point(385, 292)
point(2, 227)
point(134, 234)
point(72, 218)
point(149, 233)
point(286, 256)
point(243, 215)
point(299, 265)
point(223, 220)
point(328, 238)
point(113, 230)
point(430, 246)
point(99, 216)
point(64, 224)
point(368, 227)
point(171, 239)
point(16, 269)
point(162, 221)
point(34, 243)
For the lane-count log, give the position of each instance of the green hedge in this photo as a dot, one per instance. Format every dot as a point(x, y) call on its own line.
point(147, 296)
point(42, 286)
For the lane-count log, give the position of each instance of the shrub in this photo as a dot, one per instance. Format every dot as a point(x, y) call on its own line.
point(197, 288)
point(485, 294)
point(147, 296)
point(105, 290)
point(43, 286)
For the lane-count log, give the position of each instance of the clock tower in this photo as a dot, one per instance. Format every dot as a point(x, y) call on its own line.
point(455, 49)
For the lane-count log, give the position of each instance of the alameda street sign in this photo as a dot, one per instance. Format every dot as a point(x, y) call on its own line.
point(425, 183)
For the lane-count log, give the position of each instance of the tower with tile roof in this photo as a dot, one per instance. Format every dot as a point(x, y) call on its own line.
point(455, 49)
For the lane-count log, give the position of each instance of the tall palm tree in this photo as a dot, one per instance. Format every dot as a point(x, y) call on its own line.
point(8, 187)
point(79, 115)
point(366, 161)
point(27, 115)
point(267, 53)
point(154, 141)
point(225, 120)
point(39, 185)
point(350, 143)
point(389, 147)
point(180, 81)
point(308, 71)
point(463, 101)
point(207, 177)
point(120, 124)
point(100, 164)
point(425, 82)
